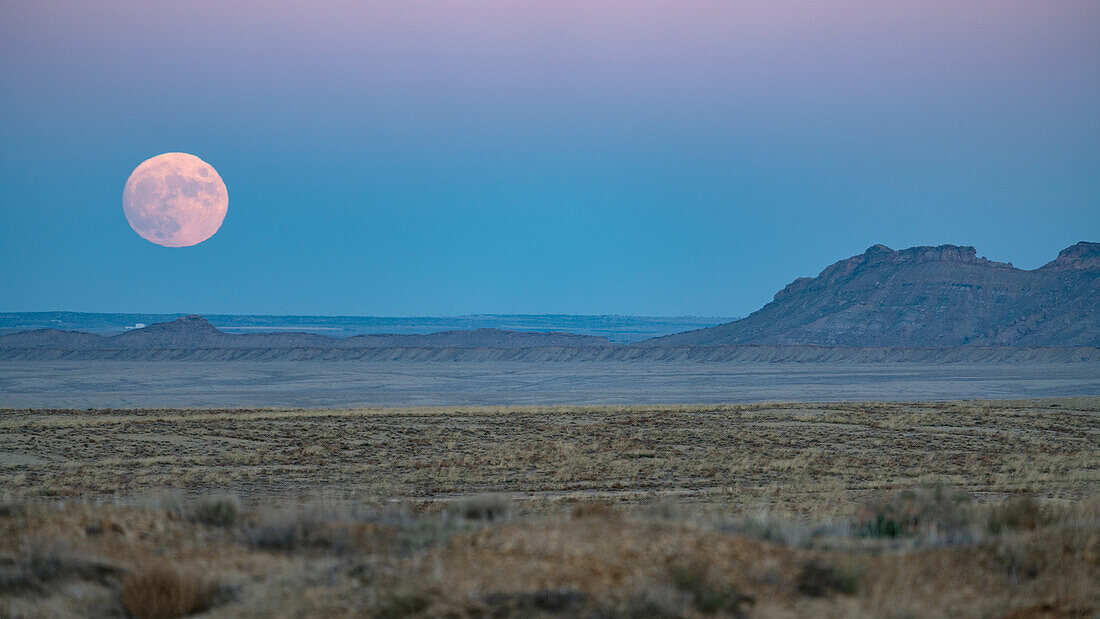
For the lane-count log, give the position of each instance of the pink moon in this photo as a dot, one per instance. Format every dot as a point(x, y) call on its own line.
point(175, 200)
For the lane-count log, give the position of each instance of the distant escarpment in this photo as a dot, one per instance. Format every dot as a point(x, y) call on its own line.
point(923, 305)
point(925, 296)
point(192, 338)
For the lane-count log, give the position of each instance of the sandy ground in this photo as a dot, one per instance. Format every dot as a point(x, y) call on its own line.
point(98, 384)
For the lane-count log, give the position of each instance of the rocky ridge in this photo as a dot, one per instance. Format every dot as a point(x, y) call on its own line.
point(926, 296)
point(922, 304)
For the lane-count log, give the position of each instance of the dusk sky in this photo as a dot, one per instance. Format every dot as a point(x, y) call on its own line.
point(574, 156)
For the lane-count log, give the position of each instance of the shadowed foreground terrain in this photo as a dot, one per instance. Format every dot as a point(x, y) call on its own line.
point(874, 509)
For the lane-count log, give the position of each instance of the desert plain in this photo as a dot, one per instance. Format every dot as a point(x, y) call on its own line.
point(82, 384)
point(881, 509)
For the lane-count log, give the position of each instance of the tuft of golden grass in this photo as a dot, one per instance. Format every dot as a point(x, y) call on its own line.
point(161, 592)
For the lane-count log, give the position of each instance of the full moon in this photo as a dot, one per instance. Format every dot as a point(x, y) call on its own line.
point(175, 200)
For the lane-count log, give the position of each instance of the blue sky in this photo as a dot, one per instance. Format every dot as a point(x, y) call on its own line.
point(658, 158)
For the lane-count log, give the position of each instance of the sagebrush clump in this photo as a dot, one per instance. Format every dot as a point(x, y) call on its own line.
point(488, 507)
point(1021, 513)
point(216, 510)
point(937, 512)
point(290, 529)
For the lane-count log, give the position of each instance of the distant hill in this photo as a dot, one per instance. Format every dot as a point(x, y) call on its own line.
point(477, 338)
point(925, 296)
point(616, 328)
point(192, 338)
point(195, 332)
point(50, 338)
point(922, 304)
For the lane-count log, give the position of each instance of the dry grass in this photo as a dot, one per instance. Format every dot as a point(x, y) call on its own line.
point(596, 560)
point(41, 560)
point(217, 511)
point(486, 507)
point(878, 510)
point(160, 592)
point(809, 459)
point(296, 527)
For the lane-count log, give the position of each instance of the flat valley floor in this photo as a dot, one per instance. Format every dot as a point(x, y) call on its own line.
point(202, 384)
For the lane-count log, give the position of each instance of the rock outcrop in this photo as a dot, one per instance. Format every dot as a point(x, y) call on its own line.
point(926, 296)
point(918, 304)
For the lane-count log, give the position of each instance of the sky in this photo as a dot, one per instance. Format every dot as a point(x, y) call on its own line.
point(577, 156)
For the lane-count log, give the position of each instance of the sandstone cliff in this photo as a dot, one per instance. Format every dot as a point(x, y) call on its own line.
point(926, 296)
